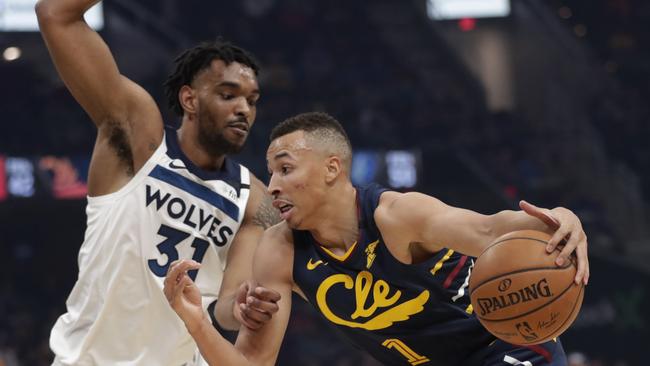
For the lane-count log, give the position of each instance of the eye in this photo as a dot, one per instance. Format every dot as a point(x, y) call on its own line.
point(252, 102)
point(285, 169)
point(227, 96)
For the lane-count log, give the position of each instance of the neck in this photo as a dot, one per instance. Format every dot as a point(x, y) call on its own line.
point(189, 144)
point(338, 224)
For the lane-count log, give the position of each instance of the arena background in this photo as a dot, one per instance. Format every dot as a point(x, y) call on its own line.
point(477, 102)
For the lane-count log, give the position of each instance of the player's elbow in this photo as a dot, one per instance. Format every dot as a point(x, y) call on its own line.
point(45, 11)
point(50, 12)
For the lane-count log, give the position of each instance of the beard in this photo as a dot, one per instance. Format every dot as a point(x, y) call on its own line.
point(212, 139)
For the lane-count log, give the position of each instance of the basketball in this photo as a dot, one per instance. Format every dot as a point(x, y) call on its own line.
point(518, 292)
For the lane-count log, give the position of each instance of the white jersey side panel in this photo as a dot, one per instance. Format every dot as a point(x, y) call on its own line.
point(117, 313)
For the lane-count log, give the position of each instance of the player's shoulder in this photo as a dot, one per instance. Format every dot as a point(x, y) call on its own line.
point(260, 208)
point(257, 184)
point(395, 208)
point(386, 201)
point(279, 234)
point(391, 200)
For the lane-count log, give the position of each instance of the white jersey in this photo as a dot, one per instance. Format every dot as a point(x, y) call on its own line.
point(117, 313)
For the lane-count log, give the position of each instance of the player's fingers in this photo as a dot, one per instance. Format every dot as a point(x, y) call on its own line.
point(256, 315)
point(181, 267)
point(261, 305)
point(172, 265)
point(582, 275)
point(179, 287)
point(171, 279)
point(246, 320)
point(560, 234)
point(174, 276)
point(267, 294)
point(250, 287)
point(563, 258)
point(242, 292)
point(172, 292)
point(541, 213)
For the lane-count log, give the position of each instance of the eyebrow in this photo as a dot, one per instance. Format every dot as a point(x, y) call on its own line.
point(234, 85)
point(281, 155)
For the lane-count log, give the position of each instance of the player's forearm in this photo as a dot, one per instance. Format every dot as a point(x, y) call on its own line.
point(506, 221)
point(215, 349)
point(223, 312)
point(62, 11)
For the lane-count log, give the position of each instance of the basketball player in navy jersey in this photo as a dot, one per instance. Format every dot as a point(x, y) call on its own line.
point(390, 270)
point(157, 194)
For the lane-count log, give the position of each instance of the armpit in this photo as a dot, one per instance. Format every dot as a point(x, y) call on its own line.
point(266, 215)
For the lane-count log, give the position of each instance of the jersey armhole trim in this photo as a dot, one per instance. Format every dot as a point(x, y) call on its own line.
point(137, 178)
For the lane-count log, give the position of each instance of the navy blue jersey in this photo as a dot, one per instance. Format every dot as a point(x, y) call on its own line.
point(418, 314)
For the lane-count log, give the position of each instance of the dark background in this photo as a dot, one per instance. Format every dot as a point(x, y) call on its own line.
point(548, 104)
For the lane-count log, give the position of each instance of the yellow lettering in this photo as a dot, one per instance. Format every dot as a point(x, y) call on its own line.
point(381, 290)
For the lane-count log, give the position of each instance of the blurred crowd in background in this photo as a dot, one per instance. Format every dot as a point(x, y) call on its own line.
point(395, 81)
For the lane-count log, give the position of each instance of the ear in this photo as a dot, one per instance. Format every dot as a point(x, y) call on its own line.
point(333, 168)
point(188, 99)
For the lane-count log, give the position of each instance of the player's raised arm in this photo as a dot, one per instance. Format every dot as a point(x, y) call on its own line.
point(261, 346)
point(260, 215)
point(84, 61)
point(128, 120)
point(419, 218)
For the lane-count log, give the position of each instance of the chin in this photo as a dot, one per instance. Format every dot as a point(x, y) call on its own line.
point(293, 224)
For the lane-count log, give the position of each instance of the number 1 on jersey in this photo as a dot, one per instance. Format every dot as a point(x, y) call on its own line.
point(411, 356)
point(173, 237)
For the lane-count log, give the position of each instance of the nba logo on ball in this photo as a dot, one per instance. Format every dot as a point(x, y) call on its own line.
point(518, 292)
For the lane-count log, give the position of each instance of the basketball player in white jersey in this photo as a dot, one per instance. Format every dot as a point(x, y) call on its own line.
point(156, 195)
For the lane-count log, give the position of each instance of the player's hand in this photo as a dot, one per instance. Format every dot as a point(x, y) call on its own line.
point(255, 305)
point(183, 294)
point(567, 227)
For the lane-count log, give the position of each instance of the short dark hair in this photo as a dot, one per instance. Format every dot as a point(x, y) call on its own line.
point(320, 127)
point(309, 122)
point(189, 63)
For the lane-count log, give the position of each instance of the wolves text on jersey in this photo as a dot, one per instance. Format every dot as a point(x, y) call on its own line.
point(196, 218)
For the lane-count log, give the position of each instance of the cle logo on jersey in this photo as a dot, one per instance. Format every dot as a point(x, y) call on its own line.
point(374, 316)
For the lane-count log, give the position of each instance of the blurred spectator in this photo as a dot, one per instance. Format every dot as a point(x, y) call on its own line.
point(577, 359)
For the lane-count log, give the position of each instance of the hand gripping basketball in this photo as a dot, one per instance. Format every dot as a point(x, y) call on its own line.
point(568, 232)
point(520, 294)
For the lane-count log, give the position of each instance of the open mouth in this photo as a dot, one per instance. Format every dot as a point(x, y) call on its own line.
point(284, 208)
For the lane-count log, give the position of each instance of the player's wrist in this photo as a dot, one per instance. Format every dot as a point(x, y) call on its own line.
point(197, 327)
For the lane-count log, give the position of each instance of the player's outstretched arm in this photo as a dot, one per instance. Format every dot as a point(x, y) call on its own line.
point(185, 298)
point(253, 347)
point(119, 108)
point(85, 63)
point(272, 270)
point(419, 218)
point(237, 282)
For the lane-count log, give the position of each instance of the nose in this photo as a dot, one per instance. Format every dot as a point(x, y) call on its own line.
point(243, 109)
point(273, 188)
